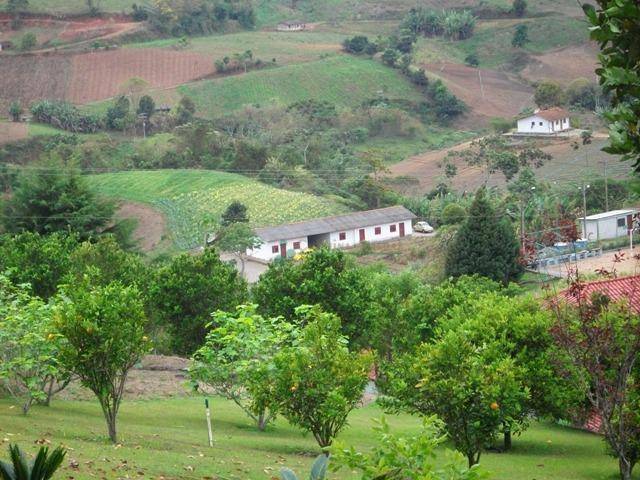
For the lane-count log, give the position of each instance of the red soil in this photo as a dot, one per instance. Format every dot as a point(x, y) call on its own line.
point(10, 132)
point(564, 65)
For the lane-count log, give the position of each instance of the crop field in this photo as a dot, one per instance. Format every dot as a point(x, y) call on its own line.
point(194, 200)
point(342, 80)
point(73, 7)
point(167, 439)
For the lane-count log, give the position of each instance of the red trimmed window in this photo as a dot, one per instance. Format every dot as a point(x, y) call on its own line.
point(378, 230)
point(392, 228)
point(275, 249)
point(296, 245)
point(342, 236)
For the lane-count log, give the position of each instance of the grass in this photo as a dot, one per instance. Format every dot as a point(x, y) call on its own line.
point(344, 80)
point(194, 200)
point(167, 439)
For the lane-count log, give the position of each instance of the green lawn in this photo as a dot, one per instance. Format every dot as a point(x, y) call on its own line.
point(168, 439)
point(343, 80)
point(74, 6)
point(194, 200)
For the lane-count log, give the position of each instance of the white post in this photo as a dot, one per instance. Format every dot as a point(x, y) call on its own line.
point(206, 404)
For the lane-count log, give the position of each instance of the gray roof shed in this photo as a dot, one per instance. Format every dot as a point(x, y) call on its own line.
point(337, 223)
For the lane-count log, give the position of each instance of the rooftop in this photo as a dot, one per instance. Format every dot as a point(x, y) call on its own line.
point(625, 288)
point(550, 114)
point(337, 223)
point(612, 213)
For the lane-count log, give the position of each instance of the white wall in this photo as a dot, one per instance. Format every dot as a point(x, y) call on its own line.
point(604, 228)
point(524, 125)
point(264, 252)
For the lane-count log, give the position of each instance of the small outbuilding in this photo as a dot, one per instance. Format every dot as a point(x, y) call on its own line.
point(545, 122)
point(339, 231)
point(5, 45)
point(608, 225)
point(291, 26)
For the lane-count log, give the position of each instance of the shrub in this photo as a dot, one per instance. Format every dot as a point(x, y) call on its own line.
point(28, 41)
point(501, 125)
point(519, 7)
point(548, 94)
point(358, 45)
point(472, 60)
point(15, 110)
point(65, 116)
point(582, 93)
point(453, 214)
point(43, 466)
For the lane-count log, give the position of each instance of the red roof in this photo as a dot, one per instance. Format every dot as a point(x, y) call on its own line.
point(553, 114)
point(625, 288)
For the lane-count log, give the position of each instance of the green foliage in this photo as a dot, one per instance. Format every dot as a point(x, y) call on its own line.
point(453, 214)
point(472, 60)
point(118, 116)
point(548, 94)
point(237, 238)
point(409, 458)
point(236, 360)
point(452, 24)
point(184, 293)
point(317, 381)
point(52, 197)
point(16, 110)
point(28, 41)
point(582, 93)
point(616, 27)
point(520, 36)
point(29, 364)
point(519, 7)
point(321, 277)
point(445, 104)
point(65, 116)
point(318, 470)
point(39, 260)
point(501, 125)
point(103, 331)
point(359, 45)
point(236, 212)
point(485, 245)
point(42, 467)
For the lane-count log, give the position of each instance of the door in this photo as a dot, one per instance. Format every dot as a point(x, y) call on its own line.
point(283, 250)
point(401, 227)
point(362, 235)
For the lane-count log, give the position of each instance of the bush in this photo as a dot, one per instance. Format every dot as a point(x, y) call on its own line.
point(453, 214)
point(472, 60)
point(501, 125)
point(519, 7)
point(65, 116)
point(28, 41)
point(548, 94)
point(582, 93)
point(358, 45)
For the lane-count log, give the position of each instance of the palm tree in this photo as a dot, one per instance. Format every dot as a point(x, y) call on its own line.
point(41, 468)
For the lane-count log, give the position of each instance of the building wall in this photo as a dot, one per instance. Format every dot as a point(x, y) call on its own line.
point(524, 125)
point(265, 252)
point(604, 228)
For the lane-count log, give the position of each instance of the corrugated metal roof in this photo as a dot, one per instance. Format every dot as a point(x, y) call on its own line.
point(338, 223)
point(612, 213)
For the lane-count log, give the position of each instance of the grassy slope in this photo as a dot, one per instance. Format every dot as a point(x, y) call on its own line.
point(193, 200)
point(74, 6)
point(168, 438)
point(342, 80)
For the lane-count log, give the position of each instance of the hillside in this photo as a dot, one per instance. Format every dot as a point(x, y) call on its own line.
point(192, 201)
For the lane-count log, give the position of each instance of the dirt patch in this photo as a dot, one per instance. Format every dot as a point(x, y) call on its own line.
point(10, 132)
point(488, 93)
point(151, 225)
point(564, 65)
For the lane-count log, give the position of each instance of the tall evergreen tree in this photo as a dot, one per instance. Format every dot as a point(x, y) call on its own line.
point(485, 245)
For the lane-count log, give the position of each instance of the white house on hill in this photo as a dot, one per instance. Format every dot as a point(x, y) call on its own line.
point(338, 231)
point(608, 225)
point(545, 122)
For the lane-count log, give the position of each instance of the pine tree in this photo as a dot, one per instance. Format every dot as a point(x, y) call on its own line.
point(484, 245)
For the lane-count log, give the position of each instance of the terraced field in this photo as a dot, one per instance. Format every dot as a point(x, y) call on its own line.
point(194, 200)
point(342, 80)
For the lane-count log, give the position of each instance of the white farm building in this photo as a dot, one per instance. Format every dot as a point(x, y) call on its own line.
point(338, 232)
point(545, 122)
point(607, 225)
point(291, 26)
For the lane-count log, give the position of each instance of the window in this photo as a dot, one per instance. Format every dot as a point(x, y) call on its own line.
point(275, 249)
point(296, 245)
point(533, 124)
point(622, 222)
point(342, 235)
point(392, 228)
point(540, 123)
point(378, 230)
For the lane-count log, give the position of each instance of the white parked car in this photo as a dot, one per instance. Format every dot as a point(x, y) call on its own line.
point(423, 227)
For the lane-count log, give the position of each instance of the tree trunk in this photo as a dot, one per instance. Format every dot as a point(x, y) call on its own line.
point(27, 405)
point(625, 468)
point(473, 458)
point(111, 426)
point(507, 439)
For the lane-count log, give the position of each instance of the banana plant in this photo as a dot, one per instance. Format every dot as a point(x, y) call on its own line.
point(42, 467)
point(318, 470)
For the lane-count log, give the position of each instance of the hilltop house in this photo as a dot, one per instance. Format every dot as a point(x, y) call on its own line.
point(607, 225)
point(545, 122)
point(291, 26)
point(338, 232)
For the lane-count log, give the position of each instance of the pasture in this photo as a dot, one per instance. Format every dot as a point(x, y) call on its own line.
point(343, 80)
point(193, 200)
point(168, 439)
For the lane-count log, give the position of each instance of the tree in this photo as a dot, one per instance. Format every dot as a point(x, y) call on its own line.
point(520, 36)
point(28, 41)
point(548, 94)
point(615, 26)
point(322, 277)
point(184, 292)
point(472, 59)
point(409, 458)
point(29, 349)
point(94, 7)
point(485, 245)
point(358, 45)
point(16, 111)
point(445, 104)
point(146, 106)
point(185, 111)
point(236, 360)
point(237, 238)
point(55, 198)
point(39, 260)
point(390, 56)
point(236, 212)
point(453, 214)
point(317, 381)
point(601, 344)
point(117, 117)
point(582, 93)
point(519, 7)
point(103, 329)
point(15, 8)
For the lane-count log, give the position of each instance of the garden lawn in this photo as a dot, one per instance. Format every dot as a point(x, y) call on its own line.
point(193, 200)
point(168, 439)
point(346, 81)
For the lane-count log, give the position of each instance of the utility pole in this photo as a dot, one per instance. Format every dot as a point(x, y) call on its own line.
point(606, 185)
point(522, 235)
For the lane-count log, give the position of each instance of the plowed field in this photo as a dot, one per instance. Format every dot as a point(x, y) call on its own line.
point(564, 65)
